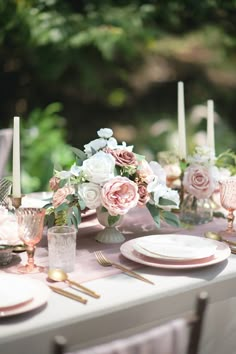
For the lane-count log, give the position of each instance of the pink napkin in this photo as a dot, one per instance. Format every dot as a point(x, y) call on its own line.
point(171, 338)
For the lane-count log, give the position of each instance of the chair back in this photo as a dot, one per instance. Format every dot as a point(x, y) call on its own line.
point(180, 336)
point(5, 148)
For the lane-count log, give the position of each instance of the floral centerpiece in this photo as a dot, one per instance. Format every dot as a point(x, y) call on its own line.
point(200, 180)
point(111, 177)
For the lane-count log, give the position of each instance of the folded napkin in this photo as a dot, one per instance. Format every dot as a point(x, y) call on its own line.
point(8, 228)
point(171, 338)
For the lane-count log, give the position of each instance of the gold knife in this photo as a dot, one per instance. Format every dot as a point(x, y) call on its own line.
point(83, 288)
point(68, 294)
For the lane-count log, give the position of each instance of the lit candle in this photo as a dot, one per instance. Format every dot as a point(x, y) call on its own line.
point(210, 125)
point(16, 182)
point(181, 122)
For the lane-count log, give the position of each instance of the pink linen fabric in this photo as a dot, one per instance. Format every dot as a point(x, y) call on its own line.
point(138, 222)
point(170, 338)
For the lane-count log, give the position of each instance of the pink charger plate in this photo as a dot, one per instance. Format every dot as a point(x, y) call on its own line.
point(222, 252)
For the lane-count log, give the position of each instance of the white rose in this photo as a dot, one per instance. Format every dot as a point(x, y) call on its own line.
point(94, 145)
point(91, 194)
point(99, 168)
point(105, 133)
point(158, 171)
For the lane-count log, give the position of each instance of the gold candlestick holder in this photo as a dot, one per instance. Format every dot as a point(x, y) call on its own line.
point(16, 201)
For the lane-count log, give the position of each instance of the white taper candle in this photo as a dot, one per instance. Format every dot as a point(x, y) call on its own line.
point(210, 125)
point(181, 122)
point(16, 176)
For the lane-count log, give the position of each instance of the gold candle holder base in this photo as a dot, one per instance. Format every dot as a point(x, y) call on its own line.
point(16, 201)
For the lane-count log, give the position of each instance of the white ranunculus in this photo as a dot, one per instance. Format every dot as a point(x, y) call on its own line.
point(158, 171)
point(105, 133)
point(63, 174)
point(91, 194)
point(112, 143)
point(158, 192)
point(99, 168)
point(75, 170)
point(203, 155)
point(94, 145)
point(173, 196)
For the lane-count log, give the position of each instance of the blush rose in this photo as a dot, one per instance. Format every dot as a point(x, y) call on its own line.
point(119, 195)
point(199, 181)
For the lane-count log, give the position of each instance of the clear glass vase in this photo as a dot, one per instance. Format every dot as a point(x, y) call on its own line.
point(196, 211)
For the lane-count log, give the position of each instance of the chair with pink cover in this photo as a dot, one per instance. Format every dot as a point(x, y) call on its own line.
point(178, 336)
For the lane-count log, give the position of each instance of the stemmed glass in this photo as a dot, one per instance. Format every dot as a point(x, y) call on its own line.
point(228, 201)
point(30, 229)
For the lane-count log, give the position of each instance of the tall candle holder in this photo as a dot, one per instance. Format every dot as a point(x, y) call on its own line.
point(16, 201)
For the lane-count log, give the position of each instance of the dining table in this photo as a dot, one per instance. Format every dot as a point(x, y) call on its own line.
point(126, 305)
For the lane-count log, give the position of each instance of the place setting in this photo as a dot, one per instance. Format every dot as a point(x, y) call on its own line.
point(21, 294)
point(175, 251)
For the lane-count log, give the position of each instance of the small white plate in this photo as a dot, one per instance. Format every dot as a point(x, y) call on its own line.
point(14, 291)
point(39, 291)
point(175, 247)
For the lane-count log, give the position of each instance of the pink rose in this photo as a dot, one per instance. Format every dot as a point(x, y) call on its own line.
point(60, 195)
point(143, 194)
point(54, 183)
point(119, 195)
point(144, 171)
point(199, 181)
point(124, 157)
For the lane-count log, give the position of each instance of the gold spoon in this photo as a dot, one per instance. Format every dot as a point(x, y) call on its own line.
point(59, 275)
point(215, 236)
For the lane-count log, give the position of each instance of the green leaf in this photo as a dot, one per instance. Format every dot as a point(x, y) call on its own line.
point(62, 183)
point(166, 202)
point(79, 153)
point(218, 214)
point(50, 220)
point(61, 207)
point(77, 214)
point(70, 197)
point(171, 218)
point(113, 219)
point(155, 212)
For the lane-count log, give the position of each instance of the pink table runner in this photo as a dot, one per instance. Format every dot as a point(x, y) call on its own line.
point(137, 223)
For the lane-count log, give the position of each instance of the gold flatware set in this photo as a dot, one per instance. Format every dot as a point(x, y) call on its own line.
point(60, 275)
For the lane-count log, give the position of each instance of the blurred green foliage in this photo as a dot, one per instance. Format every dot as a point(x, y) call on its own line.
point(114, 63)
point(43, 147)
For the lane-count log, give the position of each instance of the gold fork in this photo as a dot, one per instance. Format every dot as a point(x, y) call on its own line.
point(105, 262)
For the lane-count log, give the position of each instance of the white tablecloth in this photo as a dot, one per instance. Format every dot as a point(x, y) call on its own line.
point(127, 306)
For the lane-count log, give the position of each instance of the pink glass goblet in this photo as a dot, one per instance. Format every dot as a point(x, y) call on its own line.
point(30, 230)
point(228, 201)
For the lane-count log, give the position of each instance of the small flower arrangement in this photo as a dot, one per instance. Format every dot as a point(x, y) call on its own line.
point(201, 176)
point(112, 177)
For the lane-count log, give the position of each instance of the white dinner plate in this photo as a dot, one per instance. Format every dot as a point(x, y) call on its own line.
point(222, 252)
point(36, 200)
point(14, 291)
point(39, 294)
point(175, 247)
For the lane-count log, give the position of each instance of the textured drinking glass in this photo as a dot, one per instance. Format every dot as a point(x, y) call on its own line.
point(62, 247)
point(228, 201)
point(30, 230)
